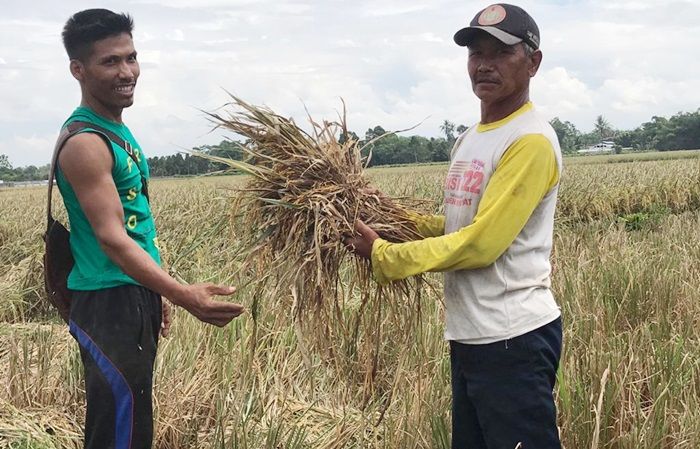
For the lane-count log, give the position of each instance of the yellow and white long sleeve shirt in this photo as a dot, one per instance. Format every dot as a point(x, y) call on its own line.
point(495, 239)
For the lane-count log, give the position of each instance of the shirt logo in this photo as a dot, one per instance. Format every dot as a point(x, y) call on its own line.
point(463, 182)
point(492, 15)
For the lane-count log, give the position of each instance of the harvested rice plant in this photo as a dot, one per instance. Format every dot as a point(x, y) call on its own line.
point(324, 359)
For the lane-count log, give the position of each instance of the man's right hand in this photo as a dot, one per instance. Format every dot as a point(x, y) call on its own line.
point(362, 241)
point(197, 300)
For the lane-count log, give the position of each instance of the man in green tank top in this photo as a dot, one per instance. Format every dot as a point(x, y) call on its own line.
point(116, 314)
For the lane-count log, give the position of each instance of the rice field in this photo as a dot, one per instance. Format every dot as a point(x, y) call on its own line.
point(626, 274)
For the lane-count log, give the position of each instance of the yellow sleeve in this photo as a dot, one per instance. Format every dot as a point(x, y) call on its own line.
point(524, 175)
point(428, 225)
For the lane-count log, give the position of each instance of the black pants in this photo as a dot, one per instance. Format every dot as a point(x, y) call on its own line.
point(117, 330)
point(502, 393)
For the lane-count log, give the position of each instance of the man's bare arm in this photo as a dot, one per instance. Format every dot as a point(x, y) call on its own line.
point(86, 162)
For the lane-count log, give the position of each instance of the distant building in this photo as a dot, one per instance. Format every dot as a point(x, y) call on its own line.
point(604, 147)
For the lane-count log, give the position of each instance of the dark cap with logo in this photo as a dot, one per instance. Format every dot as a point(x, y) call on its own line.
point(508, 23)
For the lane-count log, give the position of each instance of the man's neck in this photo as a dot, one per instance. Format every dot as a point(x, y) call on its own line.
point(498, 111)
point(111, 115)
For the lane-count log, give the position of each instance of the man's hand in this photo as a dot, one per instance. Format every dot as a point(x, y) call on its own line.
point(361, 243)
point(166, 318)
point(377, 194)
point(197, 299)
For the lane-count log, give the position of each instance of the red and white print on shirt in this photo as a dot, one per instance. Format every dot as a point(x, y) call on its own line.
point(464, 182)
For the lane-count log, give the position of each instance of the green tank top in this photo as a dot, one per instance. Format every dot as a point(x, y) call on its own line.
point(93, 270)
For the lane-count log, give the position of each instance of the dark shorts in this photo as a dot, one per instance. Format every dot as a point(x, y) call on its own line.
point(502, 393)
point(117, 330)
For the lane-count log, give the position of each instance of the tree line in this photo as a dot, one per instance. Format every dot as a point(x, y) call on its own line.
point(681, 131)
point(385, 148)
point(28, 173)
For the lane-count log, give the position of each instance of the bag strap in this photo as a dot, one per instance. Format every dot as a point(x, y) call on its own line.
point(78, 126)
point(69, 131)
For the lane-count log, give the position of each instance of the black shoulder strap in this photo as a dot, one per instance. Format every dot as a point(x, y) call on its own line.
point(70, 130)
point(75, 127)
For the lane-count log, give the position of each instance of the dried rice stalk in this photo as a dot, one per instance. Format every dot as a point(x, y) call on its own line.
point(304, 194)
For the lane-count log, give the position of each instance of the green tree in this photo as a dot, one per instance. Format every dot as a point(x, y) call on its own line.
point(344, 137)
point(603, 129)
point(5, 162)
point(569, 137)
point(439, 150)
point(6, 172)
point(373, 133)
point(448, 129)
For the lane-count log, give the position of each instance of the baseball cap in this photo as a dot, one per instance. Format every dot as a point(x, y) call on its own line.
point(508, 23)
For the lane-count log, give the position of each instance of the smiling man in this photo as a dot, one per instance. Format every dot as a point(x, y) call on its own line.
point(494, 244)
point(116, 311)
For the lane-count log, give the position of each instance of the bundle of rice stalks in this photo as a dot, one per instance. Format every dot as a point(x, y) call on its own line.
point(305, 192)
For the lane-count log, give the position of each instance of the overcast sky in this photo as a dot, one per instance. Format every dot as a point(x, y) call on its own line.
point(393, 61)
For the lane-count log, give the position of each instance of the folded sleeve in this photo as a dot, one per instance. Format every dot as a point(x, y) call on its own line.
point(525, 174)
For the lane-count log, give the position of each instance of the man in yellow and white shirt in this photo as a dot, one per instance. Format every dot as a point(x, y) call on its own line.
point(494, 244)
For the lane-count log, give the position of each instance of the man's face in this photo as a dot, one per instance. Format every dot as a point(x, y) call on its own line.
point(109, 73)
point(499, 72)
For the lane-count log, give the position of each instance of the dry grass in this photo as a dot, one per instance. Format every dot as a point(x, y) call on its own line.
point(628, 296)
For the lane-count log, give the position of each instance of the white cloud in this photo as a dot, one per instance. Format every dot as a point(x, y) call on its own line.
point(292, 8)
point(176, 35)
point(627, 5)
point(558, 93)
point(202, 4)
point(226, 41)
point(645, 95)
point(346, 43)
point(393, 61)
point(30, 150)
point(393, 10)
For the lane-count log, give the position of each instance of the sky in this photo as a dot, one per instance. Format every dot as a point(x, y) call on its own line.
point(393, 62)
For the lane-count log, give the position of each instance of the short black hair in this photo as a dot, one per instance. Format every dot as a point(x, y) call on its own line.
point(86, 27)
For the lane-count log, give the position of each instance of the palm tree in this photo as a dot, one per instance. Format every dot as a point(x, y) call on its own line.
point(603, 128)
point(448, 128)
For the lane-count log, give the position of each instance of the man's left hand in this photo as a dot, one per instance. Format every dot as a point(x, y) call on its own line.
point(361, 243)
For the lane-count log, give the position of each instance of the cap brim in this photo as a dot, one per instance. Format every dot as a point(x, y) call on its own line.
point(464, 36)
